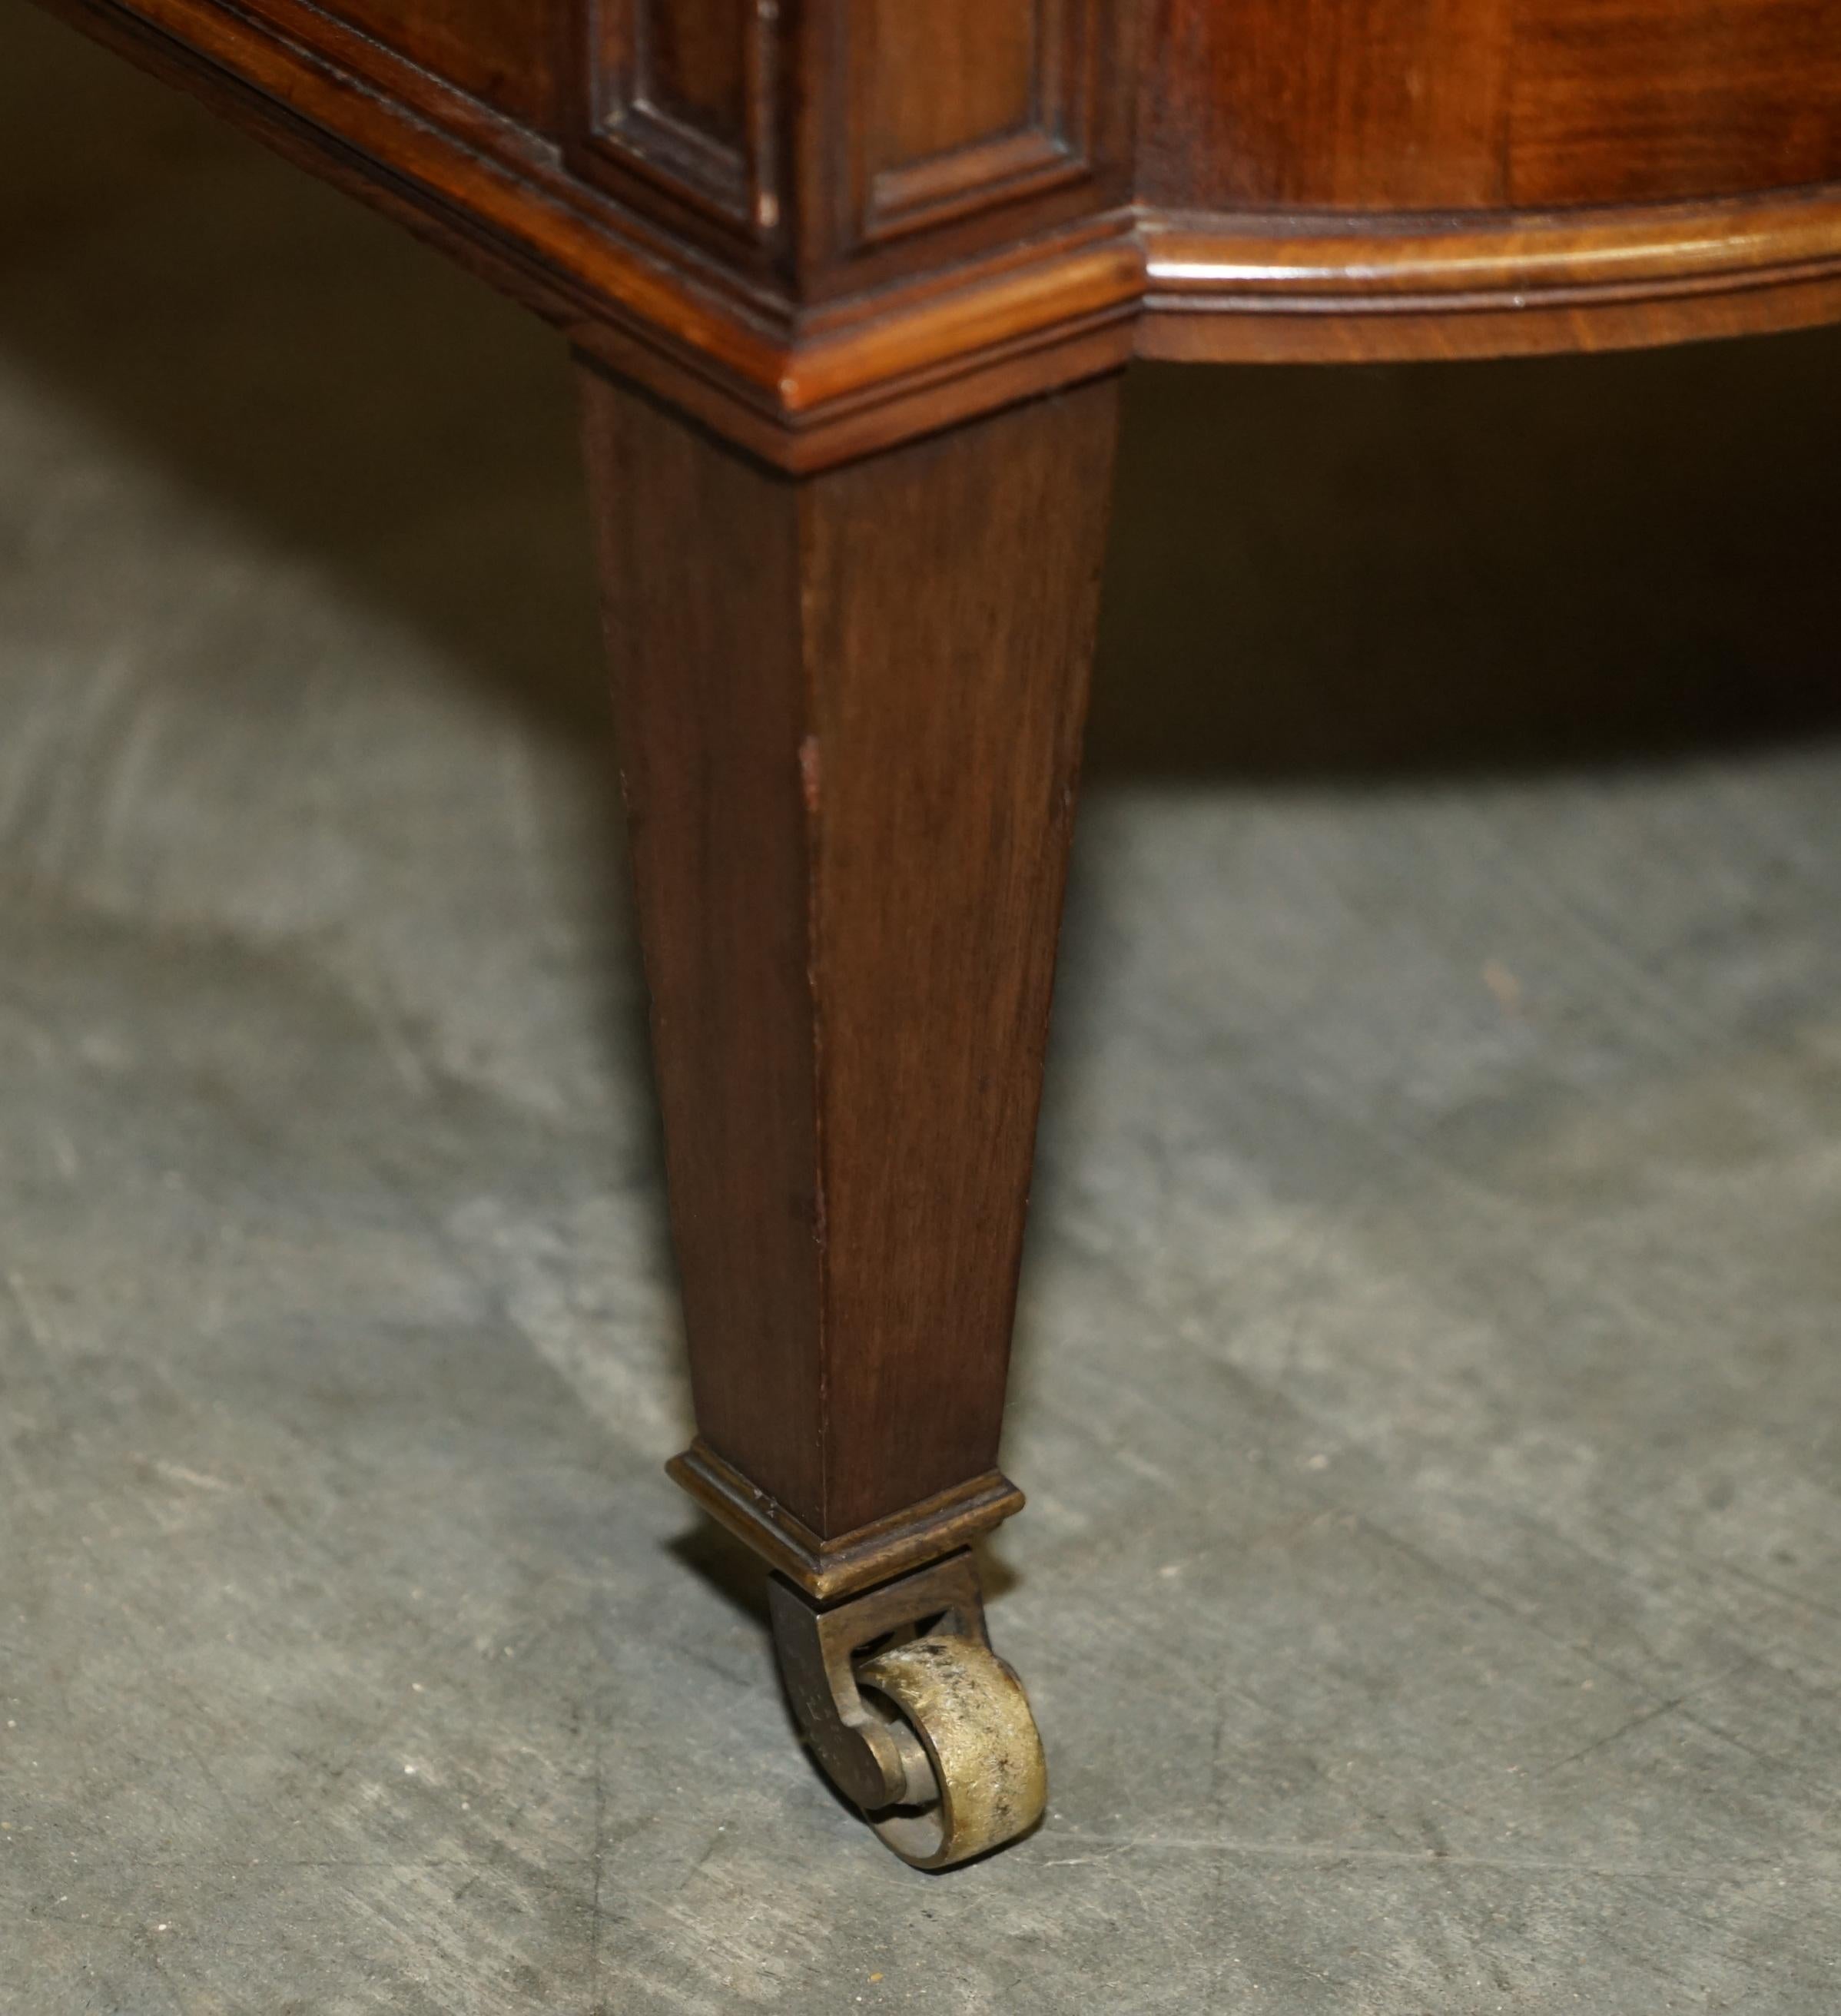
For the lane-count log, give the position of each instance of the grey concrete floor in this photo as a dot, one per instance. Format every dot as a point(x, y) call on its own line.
point(1427, 1382)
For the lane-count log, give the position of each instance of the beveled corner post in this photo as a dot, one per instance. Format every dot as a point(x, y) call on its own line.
point(926, 208)
point(850, 630)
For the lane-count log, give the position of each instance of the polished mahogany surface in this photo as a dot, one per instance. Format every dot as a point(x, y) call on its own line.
point(1433, 105)
point(508, 52)
point(825, 225)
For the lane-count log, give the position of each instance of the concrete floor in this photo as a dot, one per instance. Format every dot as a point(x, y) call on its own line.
point(1428, 1385)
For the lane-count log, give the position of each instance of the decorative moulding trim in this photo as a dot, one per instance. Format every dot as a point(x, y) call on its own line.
point(1028, 162)
point(802, 390)
point(1367, 265)
point(1048, 149)
point(736, 186)
point(687, 163)
point(827, 1570)
point(806, 388)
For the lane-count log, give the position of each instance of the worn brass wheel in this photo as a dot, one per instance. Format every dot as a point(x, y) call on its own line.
point(911, 1714)
point(984, 1767)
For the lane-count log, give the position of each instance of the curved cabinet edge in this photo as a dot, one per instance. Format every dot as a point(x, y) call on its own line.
point(806, 387)
point(1335, 289)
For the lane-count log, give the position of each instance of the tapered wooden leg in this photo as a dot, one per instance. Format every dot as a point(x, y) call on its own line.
point(851, 707)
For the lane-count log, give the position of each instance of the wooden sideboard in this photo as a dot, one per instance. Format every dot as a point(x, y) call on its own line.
point(851, 282)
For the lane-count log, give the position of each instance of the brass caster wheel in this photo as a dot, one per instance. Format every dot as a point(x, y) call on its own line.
point(987, 1772)
point(912, 1715)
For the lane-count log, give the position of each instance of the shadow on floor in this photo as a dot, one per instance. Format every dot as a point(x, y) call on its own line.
point(1473, 566)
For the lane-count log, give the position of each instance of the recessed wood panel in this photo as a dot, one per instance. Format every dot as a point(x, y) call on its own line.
point(691, 65)
point(683, 94)
point(1622, 100)
point(959, 106)
point(1351, 104)
point(948, 74)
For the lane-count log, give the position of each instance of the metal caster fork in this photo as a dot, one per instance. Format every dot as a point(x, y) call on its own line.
point(912, 1715)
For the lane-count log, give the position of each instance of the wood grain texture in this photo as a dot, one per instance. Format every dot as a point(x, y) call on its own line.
point(942, 131)
point(991, 53)
point(693, 57)
point(1352, 104)
point(1418, 105)
point(802, 386)
point(851, 710)
point(1619, 100)
point(860, 141)
point(964, 106)
point(827, 290)
point(509, 53)
point(681, 117)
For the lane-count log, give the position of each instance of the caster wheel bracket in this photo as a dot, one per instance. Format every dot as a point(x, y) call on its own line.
point(911, 1714)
